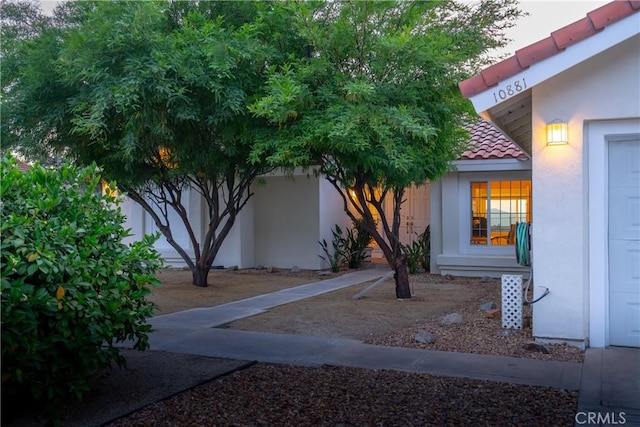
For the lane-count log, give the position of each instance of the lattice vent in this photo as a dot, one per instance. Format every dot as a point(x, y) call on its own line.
point(511, 301)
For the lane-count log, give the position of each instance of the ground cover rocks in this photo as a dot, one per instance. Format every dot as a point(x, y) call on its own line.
point(535, 347)
point(276, 395)
point(424, 337)
point(451, 319)
point(494, 314)
point(488, 306)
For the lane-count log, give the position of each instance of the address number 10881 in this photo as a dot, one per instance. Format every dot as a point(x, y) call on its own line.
point(510, 90)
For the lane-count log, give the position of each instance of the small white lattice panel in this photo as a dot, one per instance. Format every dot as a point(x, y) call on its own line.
point(511, 301)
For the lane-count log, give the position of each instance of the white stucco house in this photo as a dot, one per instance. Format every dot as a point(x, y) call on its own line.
point(280, 225)
point(584, 79)
point(582, 196)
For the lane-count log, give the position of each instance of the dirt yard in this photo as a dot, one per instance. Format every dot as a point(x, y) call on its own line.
point(379, 312)
point(376, 318)
point(177, 293)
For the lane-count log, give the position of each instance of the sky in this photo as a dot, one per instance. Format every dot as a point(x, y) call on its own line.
point(544, 17)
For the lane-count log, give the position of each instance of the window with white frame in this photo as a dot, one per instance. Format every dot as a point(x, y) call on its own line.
point(496, 207)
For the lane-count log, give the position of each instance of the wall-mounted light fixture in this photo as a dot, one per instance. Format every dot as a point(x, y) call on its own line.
point(557, 133)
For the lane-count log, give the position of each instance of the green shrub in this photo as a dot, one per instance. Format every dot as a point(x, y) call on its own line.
point(419, 252)
point(71, 288)
point(349, 248)
point(425, 244)
point(356, 243)
point(336, 255)
point(413, 251)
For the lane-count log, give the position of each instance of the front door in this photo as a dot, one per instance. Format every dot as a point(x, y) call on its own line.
point(624, 243)
point(414, 213)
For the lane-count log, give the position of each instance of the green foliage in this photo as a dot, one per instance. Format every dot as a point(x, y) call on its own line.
point(114, 81)
point(336, 255)
point(357, 241)
point(413, 256)
point(419, 252)
point(425, 242)
point(378, 97)
point(154, 92)
point(347, 248)
point(71, 289)
point(375, 105)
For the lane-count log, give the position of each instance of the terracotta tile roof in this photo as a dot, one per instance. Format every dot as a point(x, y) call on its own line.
point(487, 142)
point(595, 21)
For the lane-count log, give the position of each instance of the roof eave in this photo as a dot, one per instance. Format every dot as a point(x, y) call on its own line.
point(539, 72)
point(492, 165)
point(504, 100)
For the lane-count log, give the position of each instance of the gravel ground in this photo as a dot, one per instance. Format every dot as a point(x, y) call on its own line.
point(378, 318)
point(278, 395)
point(271, 395)
point(478, 333)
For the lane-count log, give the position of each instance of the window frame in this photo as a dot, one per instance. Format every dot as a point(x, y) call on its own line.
point(465, 212)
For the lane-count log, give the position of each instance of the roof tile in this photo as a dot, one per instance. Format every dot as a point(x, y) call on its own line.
point(573, 33)
point(595, 21)
point(487, 142)
point(495, 73)
point(610, 13)
point(472, 86)
point(536, 52)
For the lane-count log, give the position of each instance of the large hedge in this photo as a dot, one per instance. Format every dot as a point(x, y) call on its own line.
point(71, 289)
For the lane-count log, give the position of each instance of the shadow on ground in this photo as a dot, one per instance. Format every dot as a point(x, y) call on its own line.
point(150, 376)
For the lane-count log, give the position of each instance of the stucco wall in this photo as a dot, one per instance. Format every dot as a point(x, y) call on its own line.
point(237, 249)
point(280, 225)
point(604, 87)
point(287, 222)
point(331, 214)
point(134, 221)
point(141, 223)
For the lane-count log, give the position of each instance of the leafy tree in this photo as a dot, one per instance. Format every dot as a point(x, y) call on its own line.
point(156, 93)
point(70, 288)
point(375, 106)
point(21, 20)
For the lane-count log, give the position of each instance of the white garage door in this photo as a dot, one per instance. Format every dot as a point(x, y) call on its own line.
point(624, 243)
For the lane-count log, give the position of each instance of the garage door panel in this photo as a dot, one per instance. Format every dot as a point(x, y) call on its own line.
point(626, 161)
point(625, 208)
point(627, 312)
point(624, 266)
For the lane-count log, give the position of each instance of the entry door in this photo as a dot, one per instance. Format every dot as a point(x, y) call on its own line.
point(624, 243)
point(414, 213)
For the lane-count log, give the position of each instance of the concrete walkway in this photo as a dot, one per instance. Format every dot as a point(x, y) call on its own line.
point(317, 351)
point(210, 317)
point(610, 386)
point(609, 379)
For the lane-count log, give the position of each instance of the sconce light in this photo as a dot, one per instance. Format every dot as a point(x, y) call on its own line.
point(557, 133)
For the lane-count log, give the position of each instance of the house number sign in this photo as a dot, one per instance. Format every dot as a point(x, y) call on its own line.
point(511, 89)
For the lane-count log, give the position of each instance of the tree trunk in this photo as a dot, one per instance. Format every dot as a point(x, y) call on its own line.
point(403, 290)
point(200, 276)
